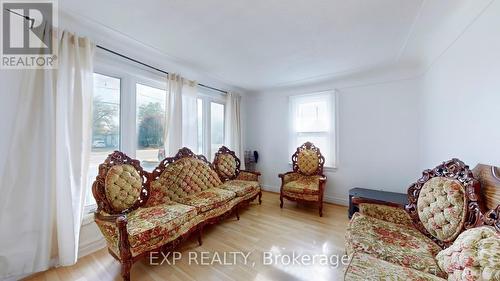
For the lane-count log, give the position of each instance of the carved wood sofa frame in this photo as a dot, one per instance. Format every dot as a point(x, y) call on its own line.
point(223, 150)
point(296, 169)
point(120, 217)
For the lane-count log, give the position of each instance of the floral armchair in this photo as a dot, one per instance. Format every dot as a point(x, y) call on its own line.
point(306, 183)
point(227, 166)
point(441, 233)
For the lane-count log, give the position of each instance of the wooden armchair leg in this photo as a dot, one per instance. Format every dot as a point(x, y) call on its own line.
point(281, 201)
point(236, 210)
point(126, 270)
point(260, 197)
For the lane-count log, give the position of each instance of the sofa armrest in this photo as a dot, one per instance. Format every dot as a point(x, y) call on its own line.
point(385, 212)
point(114, 230)
point(288, 177)
point(248, 175)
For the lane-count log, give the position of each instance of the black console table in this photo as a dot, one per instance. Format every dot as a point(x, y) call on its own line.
point(375, 196)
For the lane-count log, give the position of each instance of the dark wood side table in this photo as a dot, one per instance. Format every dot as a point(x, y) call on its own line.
point(358, 195)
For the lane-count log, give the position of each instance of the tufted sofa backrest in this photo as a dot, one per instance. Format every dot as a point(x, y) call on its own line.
point(181, 176)
point(120, 185)
point(445, 201)
point(226, 164)
point(308, 160)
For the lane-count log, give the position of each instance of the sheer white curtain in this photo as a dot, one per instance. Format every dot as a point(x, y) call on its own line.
point(181, 118)
point(173, 118)
point(233, 130)
point(190, 116)
point(45, 176)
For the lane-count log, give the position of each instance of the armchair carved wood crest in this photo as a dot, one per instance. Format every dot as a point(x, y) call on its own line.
point(306, 183)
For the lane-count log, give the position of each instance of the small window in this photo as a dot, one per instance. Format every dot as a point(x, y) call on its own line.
point(105, 126)
point(150, 125)
point(313, 120)
point(199, 111)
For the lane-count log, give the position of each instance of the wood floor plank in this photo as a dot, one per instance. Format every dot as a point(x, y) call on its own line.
point(295, 228)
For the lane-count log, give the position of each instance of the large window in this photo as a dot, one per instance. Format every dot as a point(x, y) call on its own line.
point(150, 121)
point(313, 120)
point(105, 125)
point(129, 110)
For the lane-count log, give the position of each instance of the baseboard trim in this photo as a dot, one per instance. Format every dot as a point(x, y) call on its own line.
point(329, 199)
point(91, 247)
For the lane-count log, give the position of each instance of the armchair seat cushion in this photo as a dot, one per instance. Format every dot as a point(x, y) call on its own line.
point(208, 199)
point(146, 224)
point(303, 185)
point(241, 187)
point(395, 243)
point(363, 266)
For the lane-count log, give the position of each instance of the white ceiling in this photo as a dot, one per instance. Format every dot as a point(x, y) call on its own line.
point(262, 44)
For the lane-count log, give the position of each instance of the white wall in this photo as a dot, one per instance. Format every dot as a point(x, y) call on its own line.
point(378, 137)
point(461, 97)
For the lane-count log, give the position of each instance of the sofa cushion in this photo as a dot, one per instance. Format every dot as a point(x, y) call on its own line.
point(123, 186)
point(303, 184)
point(307, 161)
point(145, 224)
point(365, 267)
point(208, 199)
point(240, 187)
point(386, 213)
point(441, 207)
point(183, 178)
point(395, 243)
point(475, 255)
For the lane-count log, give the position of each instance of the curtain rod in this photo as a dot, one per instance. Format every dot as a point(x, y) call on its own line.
point(152, 67)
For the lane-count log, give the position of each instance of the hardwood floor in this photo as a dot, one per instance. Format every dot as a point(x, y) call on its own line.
point(262, 228)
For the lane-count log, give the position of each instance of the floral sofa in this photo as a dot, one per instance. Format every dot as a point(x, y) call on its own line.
point(306, 183)
point(140, 213)
point(227, 166)
point(442, 234)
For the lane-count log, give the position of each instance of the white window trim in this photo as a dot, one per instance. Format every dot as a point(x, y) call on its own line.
point(335, 131)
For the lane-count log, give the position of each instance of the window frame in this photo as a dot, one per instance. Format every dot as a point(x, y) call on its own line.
point(208, 96)
point(333, 138)
point(129, 74)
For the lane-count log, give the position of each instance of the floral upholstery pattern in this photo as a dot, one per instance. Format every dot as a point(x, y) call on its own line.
point(386, 213)
point(301, 196)
point(240, 187)
point(363, 267)
point(303, 184)
point(395, 243)
point(110, 232)
point(226, 165)
point(208, 199)
point(145, 224)
point(441, 207)
point(163, 239)
point(308, 160)
point(247, 176)
point(185, 177)
point(123, 186)
point(475, 255)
